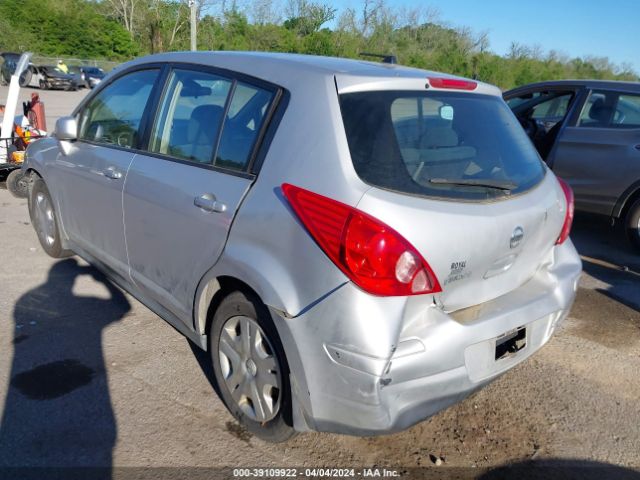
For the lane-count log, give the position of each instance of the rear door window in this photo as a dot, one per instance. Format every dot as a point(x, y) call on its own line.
point(439, 144)
point(611, 110)
point(247, 112)
point(190, 116)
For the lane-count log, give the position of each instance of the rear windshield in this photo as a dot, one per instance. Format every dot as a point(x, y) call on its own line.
point(439, 144)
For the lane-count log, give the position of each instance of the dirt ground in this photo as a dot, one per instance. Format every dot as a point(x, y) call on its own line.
point(90, 377)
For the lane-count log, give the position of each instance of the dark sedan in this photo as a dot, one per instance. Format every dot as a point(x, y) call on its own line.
point(92, 75)
point(588, 132)
point(8, 68)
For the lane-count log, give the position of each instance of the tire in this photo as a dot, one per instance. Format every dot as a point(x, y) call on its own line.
point(45, 221)
point(632, 223)
point(25, 78)
point(17, 184)
point(268, 415)
point(43, 85)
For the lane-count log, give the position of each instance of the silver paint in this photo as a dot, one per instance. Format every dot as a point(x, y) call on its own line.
point(360, 364)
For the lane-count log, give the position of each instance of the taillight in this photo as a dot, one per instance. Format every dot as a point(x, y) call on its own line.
point(452, 83)
point(373, 255)
point(568, 215)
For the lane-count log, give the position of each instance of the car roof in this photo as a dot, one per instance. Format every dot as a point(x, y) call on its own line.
point(285, 68)
point(591, 84)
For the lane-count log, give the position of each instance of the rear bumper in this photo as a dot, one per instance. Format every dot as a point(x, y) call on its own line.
point(369, 365)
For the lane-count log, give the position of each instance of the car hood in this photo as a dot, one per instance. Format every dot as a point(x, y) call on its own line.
point(60, 75)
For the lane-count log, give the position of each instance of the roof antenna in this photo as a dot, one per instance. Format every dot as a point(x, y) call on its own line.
point(390, 59)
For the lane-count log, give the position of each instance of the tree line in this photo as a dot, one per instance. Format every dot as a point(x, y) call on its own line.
point(123, 29)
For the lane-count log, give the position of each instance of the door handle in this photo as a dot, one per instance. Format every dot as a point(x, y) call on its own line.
point(208, 203)
point(112, 173)
point(637, 147)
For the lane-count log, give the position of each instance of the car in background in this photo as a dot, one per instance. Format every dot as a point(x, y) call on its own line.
point(355, 270)
point(588, 132)
point(50, 77)
point(8, 68)
point(92, 75)
point(78, 75)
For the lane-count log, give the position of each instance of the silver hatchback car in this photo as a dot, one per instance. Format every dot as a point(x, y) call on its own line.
point(357, 245)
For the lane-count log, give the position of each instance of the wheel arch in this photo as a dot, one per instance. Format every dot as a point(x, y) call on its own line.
point(212, 292)
point(31, 170)
point(629, 196)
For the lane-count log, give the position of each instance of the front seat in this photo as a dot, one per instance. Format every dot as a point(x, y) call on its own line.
point(599, 114)
point(442, 156)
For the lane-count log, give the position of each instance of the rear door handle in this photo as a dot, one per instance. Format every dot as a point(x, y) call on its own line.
point(208, 203)
point(112, 173)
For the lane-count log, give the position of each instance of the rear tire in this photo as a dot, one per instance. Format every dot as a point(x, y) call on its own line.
point(45, 221)
point(632, 222)
point(248, 359)
point(44, 85)
point(17, 184)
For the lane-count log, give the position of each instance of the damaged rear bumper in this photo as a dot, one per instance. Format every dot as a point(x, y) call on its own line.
point(370, 365)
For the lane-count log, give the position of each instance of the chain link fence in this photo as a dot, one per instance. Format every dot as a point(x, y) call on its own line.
point(106, 65)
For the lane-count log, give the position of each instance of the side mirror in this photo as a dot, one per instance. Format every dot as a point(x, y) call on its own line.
point(66, 129)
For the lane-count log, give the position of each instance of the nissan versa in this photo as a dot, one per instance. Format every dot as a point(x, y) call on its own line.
point(357, 245)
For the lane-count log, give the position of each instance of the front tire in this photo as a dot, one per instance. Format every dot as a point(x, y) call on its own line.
point(17, 184)
point(44, 85)
point(250, 367)
point(632, 222)
point(44, 220)
point(25, 78)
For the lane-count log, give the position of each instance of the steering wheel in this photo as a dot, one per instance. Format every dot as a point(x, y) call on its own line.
point(121, 136)
point(125, 138)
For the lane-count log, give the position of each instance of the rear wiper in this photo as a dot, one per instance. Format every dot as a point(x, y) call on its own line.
point(476, 182)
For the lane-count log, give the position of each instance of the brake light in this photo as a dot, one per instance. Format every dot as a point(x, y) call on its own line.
point(568, 216)
point(373, 255)
point(452, 83)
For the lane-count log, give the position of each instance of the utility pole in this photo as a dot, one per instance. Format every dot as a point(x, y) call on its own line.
point(192, 6)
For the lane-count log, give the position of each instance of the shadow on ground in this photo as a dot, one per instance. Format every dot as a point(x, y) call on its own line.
point(557, 469)
point(547, 469)
point(609, 258)
point(58, 411)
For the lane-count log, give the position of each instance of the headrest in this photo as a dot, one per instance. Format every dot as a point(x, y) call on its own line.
point(204, 122)
point(439, 137)
point(600, 112)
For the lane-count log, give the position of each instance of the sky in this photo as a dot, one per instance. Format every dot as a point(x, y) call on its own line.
point(577, 28)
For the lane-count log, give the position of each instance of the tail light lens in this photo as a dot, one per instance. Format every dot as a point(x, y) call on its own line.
point(568, 216)
point(373, 255)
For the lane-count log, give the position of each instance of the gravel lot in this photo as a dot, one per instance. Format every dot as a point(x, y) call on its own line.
point(90, 377)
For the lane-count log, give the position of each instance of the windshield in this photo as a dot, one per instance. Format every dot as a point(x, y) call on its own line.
point(439, 144)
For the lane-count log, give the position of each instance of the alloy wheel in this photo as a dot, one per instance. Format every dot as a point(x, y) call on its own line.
point(250, 368)
point(45, 219)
